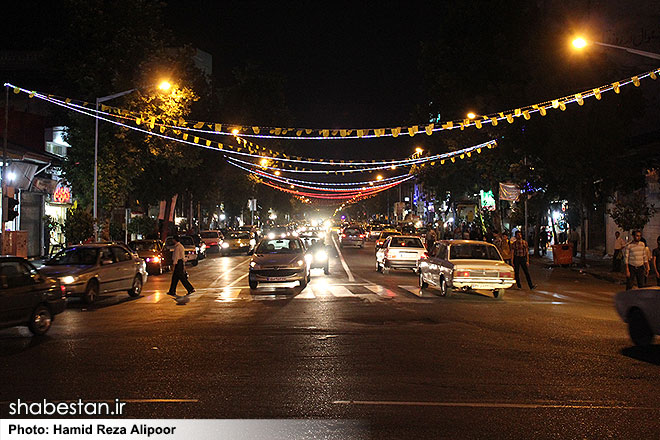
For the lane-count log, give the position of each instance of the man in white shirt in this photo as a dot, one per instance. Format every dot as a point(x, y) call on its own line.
point(619, 246)
point(179, 272)
point(635, 258)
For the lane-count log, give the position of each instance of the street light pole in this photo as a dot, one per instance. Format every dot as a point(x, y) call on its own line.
point(581, 42)
point(163, 86)
point(96, 154)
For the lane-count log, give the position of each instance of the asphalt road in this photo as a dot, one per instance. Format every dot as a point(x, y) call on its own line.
point(355, 345)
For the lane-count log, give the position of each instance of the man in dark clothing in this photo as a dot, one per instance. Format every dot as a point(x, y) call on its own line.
point(179, 272)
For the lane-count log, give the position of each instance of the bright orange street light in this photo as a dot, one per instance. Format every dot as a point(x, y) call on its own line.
point(580, 43)
point(379, 177)
point(164, 85)
point(471, 115)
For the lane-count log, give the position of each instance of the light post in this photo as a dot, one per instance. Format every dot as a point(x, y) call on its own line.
point(163, 86)
point(580, 43)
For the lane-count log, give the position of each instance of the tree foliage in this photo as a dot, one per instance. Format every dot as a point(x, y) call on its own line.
point(632, 212)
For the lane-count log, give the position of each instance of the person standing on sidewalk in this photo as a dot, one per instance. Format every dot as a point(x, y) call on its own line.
point(520, 250)
point(179, 273)
point(574, 239)
point(619, 246)
point(636, 261)
point(656, 262)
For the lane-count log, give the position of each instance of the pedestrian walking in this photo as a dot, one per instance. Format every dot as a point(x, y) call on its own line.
point(636, 262)
point(543, 240)
point(179, 273)
point(520, 250)
point(656, 262)
point(574, 239)
point(504, 245)
point(619, 246)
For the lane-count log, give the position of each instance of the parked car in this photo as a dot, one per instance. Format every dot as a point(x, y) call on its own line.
point(189, 249)
point(466, 265)
point(352, 236)
point(640, 309)
point(279, 260)
point(400, 252)
point(27, 297)
point(213, 240)
point(383, 236)
point(154, 253)
point(318, 253)
point(90, 269)
point(238, 241)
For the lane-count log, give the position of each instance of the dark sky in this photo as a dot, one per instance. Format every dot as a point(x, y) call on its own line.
point(345, 63)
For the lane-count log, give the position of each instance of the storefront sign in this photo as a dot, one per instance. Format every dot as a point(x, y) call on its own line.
point(487, 200)
point(62, 194)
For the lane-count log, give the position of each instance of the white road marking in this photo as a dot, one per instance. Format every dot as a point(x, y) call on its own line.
point(351, 278)
point(487, 405)
point(381, 291)
point(218, 280)
point(306, 294)
point(340, 291)
point(415, 290)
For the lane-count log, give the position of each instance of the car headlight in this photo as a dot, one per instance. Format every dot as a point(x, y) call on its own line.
point(254, 265)
point(271, 235)
point(253, 242)
point(225, 245)
point(301, 262)
point(321, 256)
point(67, 279)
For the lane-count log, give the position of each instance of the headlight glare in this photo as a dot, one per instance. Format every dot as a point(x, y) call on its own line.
point(67, 279)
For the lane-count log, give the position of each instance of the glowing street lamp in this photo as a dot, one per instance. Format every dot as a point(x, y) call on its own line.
point(419, 150)
point(379, 177)
point(471, 115)
point(580, 43)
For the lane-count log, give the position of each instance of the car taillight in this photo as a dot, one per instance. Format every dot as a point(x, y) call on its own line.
point(63, 290)
point(462, 273)
point(424, 256)
point(361, 235)
point(343, 235)
point(214, 243)
point(507, 274)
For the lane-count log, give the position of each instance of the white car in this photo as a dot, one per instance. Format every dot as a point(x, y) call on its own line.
point(400, 252)
point(466, 265)
point(640, 309)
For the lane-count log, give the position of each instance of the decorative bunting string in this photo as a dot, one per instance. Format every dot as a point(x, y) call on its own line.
point(265, 132)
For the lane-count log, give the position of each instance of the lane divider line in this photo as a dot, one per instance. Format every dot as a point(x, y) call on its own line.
point(351, 278)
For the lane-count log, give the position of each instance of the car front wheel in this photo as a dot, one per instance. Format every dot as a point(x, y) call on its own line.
point(136, 288)
point(422, 284)
point(444, 290)
point(194, 263)
point(253, 284)
point(40, 321)
point(91, 292)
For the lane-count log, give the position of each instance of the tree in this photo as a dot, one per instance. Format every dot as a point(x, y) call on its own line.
point(632, 212)
point(78, 225)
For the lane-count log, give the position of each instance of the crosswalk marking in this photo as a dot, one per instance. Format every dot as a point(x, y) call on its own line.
point(372, 292)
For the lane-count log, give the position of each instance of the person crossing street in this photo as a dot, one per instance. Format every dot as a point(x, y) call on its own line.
point(520, 250)
point(179, 273)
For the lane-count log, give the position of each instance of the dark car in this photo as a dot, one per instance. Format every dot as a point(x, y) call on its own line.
point(154, 253)
point(27, 297)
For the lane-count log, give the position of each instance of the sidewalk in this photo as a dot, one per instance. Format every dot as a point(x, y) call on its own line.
point(598, 266)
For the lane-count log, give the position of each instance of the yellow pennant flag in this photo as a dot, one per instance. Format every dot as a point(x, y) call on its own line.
point(278, 131)
point(542, 111)
point(255, 130)
point(462, 156)
point(477, 123)
point(308, 131)
point(162, 129)
point(578, 98)
point(479, 150)
point(104, 108)
point(509, 118)
point(448, 126)
point(334, 132)
point(285, 131)
point(635, 80)
point(342, 133)
point(324, 133)
point(555, 103)
point(526, 115)
point(396, 131)
point(138, 121)
point(208, 143)
point(379, 132)
point(429, 129)
point(517, 112)
point(453, 159)
point(196, 140)
point(299, 132)
point(469, 154)
point(462, 125)
point(360, 133)
point(185, 136)
point(17, 90)
point(653, 75)
point(152, 122)
point(412, 130)
point(220, 146)
point(199, 125)
point(616, 86)
point(562, 106)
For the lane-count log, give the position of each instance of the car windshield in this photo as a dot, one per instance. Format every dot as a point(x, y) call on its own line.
point(209, 234)
point(80, 256)
point(283, 246)
point(240, 235)
point(472, 251)
point(187, 241)
point(353, 231)
point(408, 242)
point(143, 245)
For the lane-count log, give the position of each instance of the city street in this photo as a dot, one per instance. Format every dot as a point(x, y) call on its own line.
point(354, 345)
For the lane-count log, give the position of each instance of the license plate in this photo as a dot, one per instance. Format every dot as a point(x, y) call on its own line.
point(276, 278)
